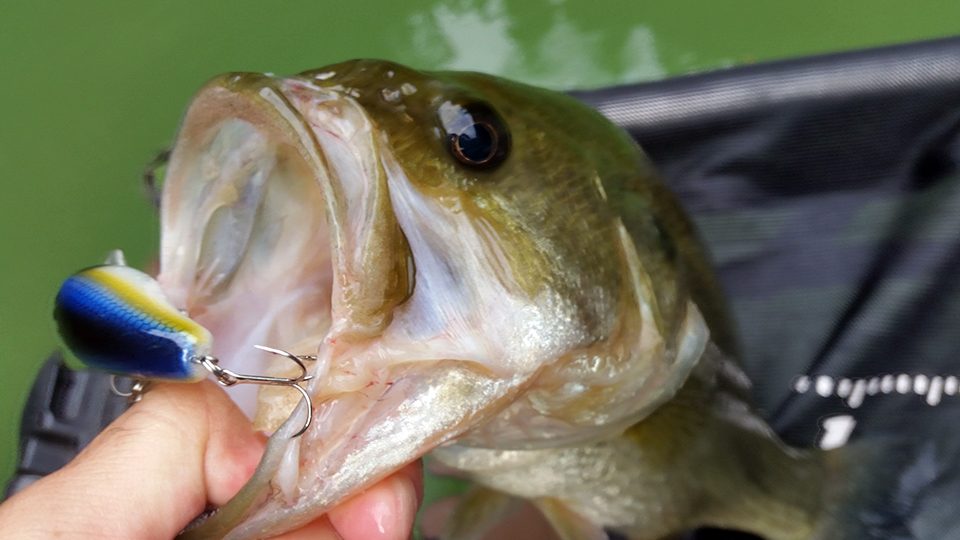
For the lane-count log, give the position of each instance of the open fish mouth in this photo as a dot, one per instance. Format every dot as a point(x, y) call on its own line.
point(279, 228)
point(246, 248)
point(263, 211)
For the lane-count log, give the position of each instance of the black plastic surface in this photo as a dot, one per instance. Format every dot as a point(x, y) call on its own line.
point(64, 412)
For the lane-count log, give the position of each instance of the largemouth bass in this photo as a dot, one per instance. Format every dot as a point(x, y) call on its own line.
point(486, 271)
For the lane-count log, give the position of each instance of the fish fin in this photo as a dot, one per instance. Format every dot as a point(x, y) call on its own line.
point(476, 513)
point(568, 524)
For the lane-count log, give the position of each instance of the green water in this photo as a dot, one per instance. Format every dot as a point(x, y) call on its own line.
point(90, 91)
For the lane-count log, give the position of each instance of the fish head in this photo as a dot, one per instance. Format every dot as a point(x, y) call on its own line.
point(471, 261)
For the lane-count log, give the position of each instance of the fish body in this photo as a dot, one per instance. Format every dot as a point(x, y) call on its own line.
point(484, 270)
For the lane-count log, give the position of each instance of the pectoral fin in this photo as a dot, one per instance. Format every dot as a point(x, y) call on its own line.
point(476, 513)
point(568, 524)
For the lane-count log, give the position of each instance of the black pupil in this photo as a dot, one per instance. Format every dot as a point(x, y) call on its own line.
point(474, 134)
point(477, 143)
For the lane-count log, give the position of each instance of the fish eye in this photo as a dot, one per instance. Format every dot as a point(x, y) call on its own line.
point(476, 136)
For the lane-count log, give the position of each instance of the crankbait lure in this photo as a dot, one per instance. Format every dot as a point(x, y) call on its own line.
point(117, 319)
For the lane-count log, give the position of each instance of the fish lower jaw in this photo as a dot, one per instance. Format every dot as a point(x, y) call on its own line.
point(362, 435)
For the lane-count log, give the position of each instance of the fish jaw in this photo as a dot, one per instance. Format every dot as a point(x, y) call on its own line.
point(279, 228)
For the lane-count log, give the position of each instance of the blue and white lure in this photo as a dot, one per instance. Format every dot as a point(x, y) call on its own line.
point(117, 319)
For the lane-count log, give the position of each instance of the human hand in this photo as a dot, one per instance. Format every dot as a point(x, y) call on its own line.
point(181, 448)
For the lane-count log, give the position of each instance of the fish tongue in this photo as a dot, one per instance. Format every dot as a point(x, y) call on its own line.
point(356, 439)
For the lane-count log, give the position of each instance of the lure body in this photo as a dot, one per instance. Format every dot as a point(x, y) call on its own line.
point(117, 319)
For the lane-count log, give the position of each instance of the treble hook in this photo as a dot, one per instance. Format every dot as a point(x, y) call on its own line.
point(226, 378)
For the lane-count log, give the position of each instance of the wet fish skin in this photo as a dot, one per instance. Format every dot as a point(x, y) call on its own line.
point(564, 153)
point(555, 307)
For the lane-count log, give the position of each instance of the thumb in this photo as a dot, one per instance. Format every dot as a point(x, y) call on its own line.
point(148, 474)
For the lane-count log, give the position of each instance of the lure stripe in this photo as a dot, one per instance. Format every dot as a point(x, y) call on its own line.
point(138, 298)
